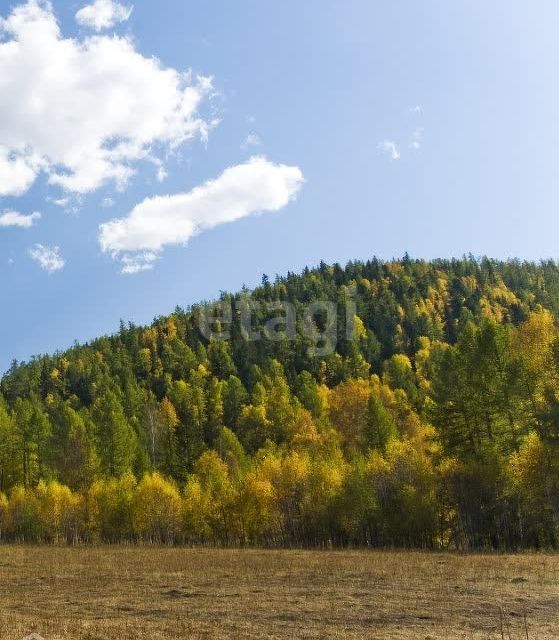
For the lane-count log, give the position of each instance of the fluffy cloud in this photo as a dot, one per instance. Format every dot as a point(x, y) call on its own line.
point(48, 258)
point(254, 187)
point(391, 148)
point(17, 173)
point(15, 219)
point(103, 14)
point(85, 111)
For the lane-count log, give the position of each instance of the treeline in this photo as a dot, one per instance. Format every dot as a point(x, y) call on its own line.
point(303, 498)
point(434, 422)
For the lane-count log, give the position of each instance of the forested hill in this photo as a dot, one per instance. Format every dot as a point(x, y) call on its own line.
point(404, 402)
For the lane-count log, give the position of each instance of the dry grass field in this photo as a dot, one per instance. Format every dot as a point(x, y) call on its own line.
point(130, 592)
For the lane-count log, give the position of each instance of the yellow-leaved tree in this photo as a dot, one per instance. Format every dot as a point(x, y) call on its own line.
point(4, 505)
point(534, 478)
point(109, 503)
point(156, 510)
point(62, 515)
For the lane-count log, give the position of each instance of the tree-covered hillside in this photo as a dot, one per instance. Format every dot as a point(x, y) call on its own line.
point(385, 403)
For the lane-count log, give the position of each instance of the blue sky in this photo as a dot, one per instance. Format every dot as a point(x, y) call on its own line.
point(330, 95)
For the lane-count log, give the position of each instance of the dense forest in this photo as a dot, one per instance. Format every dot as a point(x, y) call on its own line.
point(424, 413)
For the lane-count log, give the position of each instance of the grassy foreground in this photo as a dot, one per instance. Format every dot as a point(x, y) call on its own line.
point(133, 592)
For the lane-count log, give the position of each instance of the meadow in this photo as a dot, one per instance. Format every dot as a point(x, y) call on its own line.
point(138, 592)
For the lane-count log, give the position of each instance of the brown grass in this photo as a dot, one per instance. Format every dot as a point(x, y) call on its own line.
point(153, 593)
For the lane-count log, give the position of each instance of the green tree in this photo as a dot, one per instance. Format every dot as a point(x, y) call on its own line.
point(32, 431)
point(235, 397)
point(116, 440)
point(381, 425)
point(72, 451)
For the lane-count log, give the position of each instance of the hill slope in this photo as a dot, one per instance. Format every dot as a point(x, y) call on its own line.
point(403, 402)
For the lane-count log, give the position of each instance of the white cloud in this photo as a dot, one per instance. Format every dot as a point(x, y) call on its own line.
point(15, 219)
point(391, 148)
point(254, 187)
point(417, 110)
point(17, 172)
point(107, 203)
point(417, 138)
point(252, 140)
point(161, 174)
point(85, 111)
point(48, 258)
point(135, 263)
point(62, 202)
point(103, 14)
point(71, 204)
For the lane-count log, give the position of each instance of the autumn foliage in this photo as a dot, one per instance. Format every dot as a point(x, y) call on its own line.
point(434, 425)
